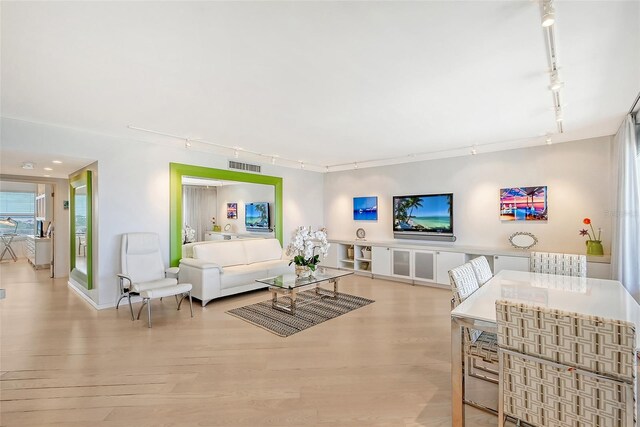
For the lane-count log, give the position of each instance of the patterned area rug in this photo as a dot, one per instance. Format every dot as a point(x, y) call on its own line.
point(311, 314)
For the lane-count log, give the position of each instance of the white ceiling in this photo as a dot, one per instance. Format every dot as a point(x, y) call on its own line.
point(11, 164)
point(323, 82)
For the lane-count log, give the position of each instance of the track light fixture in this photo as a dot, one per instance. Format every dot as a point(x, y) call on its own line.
point(559, 116)
point(301, 165)
point(355, 165)
point(473, 150)
point(548, 13)
point(187, 143)
point(556, 84)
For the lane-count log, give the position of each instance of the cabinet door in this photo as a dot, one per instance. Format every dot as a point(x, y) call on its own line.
point(597, 270)
point(381, 261)
point(424, 265)
point(401, 263)
point(331, 259)
point(445, 261)
point(501, 262)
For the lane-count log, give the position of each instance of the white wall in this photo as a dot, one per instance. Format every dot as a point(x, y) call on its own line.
point(242, 194)
point(134, 187)
point(576, 173)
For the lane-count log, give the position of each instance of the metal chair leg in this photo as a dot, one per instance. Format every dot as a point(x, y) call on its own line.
point(149, 311)
point(144, 301)
point(122, 296)
point(190, 304)
point(130, 306)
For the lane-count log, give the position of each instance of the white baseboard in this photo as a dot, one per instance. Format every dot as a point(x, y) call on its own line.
point(91, 302)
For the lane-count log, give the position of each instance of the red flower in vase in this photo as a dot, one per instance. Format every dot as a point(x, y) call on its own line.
point(590, 234)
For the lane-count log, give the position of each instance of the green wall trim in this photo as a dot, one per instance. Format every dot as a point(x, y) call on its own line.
point(78, 180)
point(178, 170)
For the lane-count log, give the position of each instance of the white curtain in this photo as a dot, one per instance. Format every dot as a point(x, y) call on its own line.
point(625, 245)
point(199, 205)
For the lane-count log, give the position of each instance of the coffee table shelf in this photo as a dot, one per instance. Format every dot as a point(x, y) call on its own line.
point(287, 286)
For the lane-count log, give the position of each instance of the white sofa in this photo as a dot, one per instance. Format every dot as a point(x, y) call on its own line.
point(226, 267)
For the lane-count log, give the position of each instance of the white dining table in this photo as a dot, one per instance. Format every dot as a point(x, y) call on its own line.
point(595, 297)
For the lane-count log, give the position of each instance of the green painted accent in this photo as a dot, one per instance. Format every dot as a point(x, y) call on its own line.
point(178, 170)
point(79, 180)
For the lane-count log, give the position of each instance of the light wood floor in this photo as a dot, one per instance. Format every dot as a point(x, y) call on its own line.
point(64, 363)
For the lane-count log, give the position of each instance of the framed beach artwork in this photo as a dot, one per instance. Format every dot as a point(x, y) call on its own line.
point(523, 204)
point(232, 211)
point(365, 208)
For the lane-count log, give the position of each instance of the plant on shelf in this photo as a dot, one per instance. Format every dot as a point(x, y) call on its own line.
point(303, 247)
point(594, 244)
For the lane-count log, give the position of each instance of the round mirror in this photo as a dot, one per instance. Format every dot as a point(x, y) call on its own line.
point(522, 240)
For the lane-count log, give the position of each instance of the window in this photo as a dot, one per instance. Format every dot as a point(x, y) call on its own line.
point(20, 206)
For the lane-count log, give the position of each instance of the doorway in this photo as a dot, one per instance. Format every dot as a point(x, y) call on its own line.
point(27, 223)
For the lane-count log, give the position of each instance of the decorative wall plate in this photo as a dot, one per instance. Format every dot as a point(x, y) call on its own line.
point(360, 233)
point(227, 227)
point(523, 240)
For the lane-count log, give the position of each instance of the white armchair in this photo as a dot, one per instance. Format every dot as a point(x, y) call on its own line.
point(142, 267)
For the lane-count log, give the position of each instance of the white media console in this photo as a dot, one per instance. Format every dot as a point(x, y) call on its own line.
point(429, 264)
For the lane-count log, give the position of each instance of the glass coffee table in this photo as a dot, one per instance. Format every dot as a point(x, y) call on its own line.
point(287, 286)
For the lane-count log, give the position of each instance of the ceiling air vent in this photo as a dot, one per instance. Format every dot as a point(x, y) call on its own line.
point(244, 166)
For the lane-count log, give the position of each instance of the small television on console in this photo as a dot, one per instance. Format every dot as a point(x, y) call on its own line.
point(427, 216)
point(256, 216)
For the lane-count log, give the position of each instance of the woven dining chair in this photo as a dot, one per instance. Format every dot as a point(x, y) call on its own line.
point(561, 264)
point(481, 269)
point(565, 369)
point(480, 348)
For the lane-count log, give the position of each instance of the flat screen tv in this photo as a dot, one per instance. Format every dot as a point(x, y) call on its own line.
point(424, 215)
point(256, 216)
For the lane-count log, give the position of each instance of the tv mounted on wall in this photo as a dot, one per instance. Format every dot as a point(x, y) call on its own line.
point(427, 216)
point(256, 216)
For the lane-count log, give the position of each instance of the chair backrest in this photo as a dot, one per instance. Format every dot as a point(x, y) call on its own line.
point(141, 257)
point(481, 269)
point(539, 382)
point(463, 283)
point(562, 264)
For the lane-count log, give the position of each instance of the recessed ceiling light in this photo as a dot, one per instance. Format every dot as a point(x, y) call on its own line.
point(28, 165)
point(56, 162)
point(48, 169)
point(46, 176)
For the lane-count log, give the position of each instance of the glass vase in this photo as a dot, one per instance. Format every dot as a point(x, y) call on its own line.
point(303, 271)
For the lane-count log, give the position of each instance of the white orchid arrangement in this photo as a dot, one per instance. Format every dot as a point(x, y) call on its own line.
point(188, 234)
point(304, 245)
